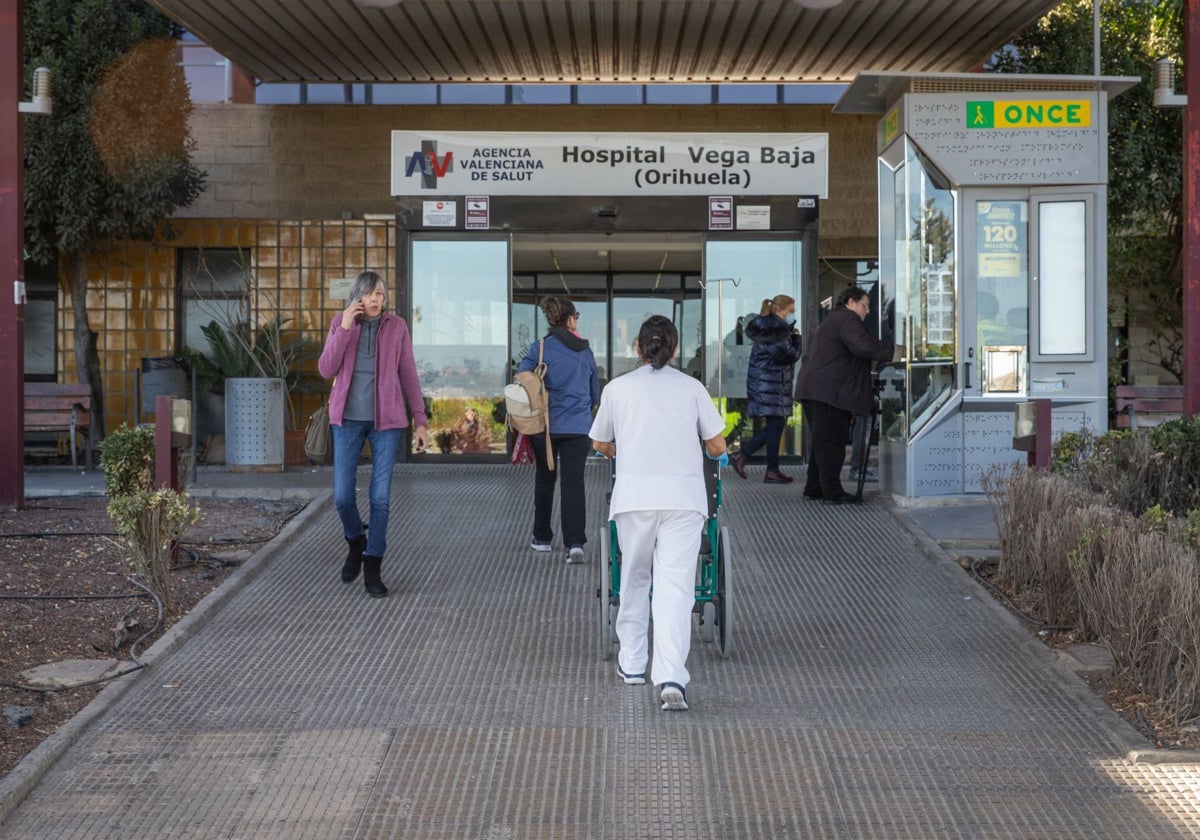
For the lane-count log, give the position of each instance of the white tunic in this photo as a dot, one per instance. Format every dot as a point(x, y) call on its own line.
point(657, 419)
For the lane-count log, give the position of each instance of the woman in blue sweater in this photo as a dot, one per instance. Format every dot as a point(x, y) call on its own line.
point(573, 385)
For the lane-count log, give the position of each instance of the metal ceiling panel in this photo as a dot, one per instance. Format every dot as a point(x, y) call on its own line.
point(600, 40)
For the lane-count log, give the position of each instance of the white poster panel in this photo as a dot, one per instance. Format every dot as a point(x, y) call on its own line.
point(555, 163)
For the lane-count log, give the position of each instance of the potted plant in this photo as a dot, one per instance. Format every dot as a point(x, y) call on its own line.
point(251, 369)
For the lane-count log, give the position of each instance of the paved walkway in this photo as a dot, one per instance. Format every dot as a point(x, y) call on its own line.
point(875, 692)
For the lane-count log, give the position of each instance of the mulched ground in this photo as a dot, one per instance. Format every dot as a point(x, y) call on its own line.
point(58, 555)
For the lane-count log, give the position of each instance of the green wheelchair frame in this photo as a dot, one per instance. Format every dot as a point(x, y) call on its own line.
point(714, 578)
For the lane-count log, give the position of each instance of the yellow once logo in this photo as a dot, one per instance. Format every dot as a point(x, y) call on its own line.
point(890, 126)
point(1033, 113)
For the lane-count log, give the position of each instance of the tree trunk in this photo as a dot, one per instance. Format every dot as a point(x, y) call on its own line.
point(87, 356)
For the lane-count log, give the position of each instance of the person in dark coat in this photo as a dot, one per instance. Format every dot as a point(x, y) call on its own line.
point(769, 382)
point(833, 386)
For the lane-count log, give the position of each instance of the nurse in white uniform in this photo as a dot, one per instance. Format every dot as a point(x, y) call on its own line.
point(655, 416)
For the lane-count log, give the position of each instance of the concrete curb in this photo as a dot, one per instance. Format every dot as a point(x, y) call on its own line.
point(1137, 752)
point(25, 776)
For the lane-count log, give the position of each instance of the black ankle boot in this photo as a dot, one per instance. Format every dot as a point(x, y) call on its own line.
point(354, 558)
point(375, 587)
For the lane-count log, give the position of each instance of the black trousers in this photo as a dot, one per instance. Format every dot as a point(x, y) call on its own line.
point(570, 456)
point(829, 429)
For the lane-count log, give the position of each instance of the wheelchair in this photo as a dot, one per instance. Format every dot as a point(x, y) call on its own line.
point(714, 577)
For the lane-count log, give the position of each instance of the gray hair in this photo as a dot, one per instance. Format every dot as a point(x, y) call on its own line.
point(366, 283)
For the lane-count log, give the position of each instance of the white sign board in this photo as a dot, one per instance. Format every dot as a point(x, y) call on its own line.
point(439, 213)
point(553, 163)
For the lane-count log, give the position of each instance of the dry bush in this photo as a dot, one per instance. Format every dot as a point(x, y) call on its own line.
point(1141, 593)
point(1132, 582)
point(1040, 520)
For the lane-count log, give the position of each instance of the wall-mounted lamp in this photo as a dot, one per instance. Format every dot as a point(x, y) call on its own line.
point(1164, 86)
point(41, 103)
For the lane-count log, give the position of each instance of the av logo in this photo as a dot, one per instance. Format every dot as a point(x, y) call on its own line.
point(429, 164)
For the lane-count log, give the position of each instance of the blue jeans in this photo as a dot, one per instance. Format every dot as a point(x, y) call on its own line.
point(770, 434)
point(348, 440)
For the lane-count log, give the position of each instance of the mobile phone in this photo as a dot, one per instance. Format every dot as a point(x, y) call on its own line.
point(360, 317)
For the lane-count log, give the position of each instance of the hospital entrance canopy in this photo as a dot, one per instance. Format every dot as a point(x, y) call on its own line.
point(605, 41)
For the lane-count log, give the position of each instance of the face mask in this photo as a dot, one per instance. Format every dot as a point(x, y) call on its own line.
point(791, 319)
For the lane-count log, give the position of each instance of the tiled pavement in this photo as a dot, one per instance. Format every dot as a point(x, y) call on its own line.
point(875, 692)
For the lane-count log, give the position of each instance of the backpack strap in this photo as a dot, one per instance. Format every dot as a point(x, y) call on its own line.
point(540, 370)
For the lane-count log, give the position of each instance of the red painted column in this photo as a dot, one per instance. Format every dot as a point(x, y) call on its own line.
point(1191, 209)
point(12, 264)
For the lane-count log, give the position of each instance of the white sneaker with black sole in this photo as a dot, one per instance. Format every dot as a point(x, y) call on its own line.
point(673, 698)
point(630, 679)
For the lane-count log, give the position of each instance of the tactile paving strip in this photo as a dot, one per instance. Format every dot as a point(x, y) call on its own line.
point(873, 693)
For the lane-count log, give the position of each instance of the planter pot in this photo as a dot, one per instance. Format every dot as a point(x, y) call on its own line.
point(255, 421)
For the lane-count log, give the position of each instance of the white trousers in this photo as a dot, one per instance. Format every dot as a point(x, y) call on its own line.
point(662, 544)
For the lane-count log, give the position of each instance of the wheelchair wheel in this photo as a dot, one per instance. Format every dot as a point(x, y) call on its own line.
point(706, 621)
point(723, 602)
point(608, 610)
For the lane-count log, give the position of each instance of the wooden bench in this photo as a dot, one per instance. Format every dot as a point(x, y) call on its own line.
point(1143, 406)
point(60, 407)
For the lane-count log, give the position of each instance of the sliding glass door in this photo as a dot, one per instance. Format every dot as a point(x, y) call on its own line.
point(460, 329)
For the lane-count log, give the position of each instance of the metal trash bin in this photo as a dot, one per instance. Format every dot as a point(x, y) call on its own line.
point(255, 420)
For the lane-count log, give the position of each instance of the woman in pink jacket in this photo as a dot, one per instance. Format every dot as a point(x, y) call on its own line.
point(368, 354)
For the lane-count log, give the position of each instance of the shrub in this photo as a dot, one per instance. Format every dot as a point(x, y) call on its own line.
point(1130, 578)
point(150, 520)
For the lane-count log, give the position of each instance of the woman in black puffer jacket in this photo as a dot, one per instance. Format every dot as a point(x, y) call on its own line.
point(769, 382)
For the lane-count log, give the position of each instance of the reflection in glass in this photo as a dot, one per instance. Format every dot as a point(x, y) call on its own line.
point(460, 324)
point(1002, 298)
point(628, 315)
point(40, 336)
point(1062, 271)
point(739, 275)
point(917, 286)
point(1003, 369)
point(930, 386)
point(930, 260)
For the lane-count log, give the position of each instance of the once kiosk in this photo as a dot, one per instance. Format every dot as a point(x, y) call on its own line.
point(992, 237)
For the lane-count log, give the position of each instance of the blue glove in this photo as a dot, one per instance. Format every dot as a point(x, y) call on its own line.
point(722, 459)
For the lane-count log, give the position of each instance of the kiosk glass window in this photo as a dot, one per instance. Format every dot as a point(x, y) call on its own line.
point(460, 330)
point(1062, 272)
point(1002, 294)
point(917, 248)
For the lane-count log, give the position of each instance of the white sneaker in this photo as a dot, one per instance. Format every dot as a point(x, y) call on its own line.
point(631, 679)
point(673, 698)
point(539, 546)
point(575, 555)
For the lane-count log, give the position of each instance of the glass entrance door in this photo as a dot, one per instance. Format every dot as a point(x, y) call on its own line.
point(460, 338)
point(634, 299)
point(739, 274)
point(612, 308)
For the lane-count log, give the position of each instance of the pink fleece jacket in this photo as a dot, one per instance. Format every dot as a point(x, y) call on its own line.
point(397, 387)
